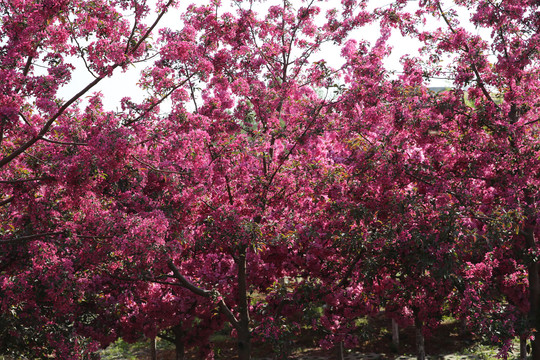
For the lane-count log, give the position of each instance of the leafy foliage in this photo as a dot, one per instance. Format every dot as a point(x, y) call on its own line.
point(253, 181)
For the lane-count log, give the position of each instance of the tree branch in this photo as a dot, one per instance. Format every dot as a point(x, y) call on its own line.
point(531, 122)
point(204, 293)
point(153, 106)
point(473, 66)
point(229, 192)
point(192, 91)
point(30, 237)
point(7, 159)
point(63, 142)
point(7, 201)
point(186, 283)
point(156, 169)
point(27, 65)
point(18, 181)
point(130, 38)
point(314, 114)
point(151, 28)
point(81, 52)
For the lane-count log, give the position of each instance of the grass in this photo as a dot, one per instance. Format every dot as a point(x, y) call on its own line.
point(448, 339)
point(121, 350)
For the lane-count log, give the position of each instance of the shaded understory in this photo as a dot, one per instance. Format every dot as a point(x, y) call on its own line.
point(449, 338)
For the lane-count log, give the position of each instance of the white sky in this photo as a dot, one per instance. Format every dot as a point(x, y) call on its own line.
point(124, 84)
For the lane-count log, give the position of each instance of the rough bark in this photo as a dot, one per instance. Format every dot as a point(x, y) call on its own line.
point(534, 280)
point(395, 335)
point(179, 343)
point(241, 325)
point(153, 351)
point(522, 347)
point(420, 347)
point(534, 301)
point(339, 351)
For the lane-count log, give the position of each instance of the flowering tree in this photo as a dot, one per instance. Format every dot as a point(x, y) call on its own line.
point(268, 165)
point(253, 154)
point(135, 193)
point(39, 133)
point(396, 238)
point(449, 178)
point(475, 146)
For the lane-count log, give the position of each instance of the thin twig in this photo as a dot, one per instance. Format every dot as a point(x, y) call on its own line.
point(151, 28)
point(17, 181)
point(153, 106)
point(25, 119)
point(315, 113)
point(473, 66)
point(63, 142)
point(21, 149)
point(156, 169)
point(192, 90)
point(30, 237)
point(93, 236)
point(135, 23)
point(531, 122)
point(7, 201)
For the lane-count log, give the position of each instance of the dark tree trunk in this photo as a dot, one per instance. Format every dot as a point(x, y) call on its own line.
point(242, 323)
point(523, 347)
point(179, 342)
point(534, 280)
point(244, 333)
point(153, 351)
point(395, 335)
point(420, 347)
point(339, 351)
point(534, 301)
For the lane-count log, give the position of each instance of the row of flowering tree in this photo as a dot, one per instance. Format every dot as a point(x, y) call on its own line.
point(256, 181)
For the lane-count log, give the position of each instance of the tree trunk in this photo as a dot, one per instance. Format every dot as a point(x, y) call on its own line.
point(522, 347)
point(153, 351)
point(179, 343)
point(534, 301)
point(534, 280)
point(244, 333)
point(420, 347)
point(395, 335)
point(339, 351)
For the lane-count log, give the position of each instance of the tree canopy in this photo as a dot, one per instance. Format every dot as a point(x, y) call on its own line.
point(255, 179)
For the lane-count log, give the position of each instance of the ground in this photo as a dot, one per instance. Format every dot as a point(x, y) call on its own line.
point(450, 341)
